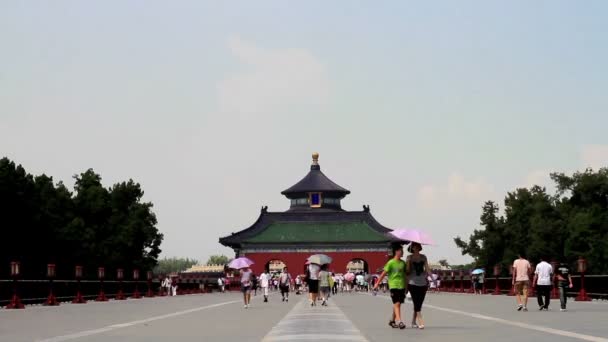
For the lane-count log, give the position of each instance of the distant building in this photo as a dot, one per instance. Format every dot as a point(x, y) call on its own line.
point(205, 268)
point(314, 223)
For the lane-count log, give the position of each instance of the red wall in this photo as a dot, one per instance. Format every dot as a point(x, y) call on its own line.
point(296, 261)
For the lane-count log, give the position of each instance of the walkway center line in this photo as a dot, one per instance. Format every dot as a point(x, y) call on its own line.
point(517, 324)
point(130, 324)
point(303, 322)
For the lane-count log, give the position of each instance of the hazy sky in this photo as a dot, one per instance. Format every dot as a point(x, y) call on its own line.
point(423, 111)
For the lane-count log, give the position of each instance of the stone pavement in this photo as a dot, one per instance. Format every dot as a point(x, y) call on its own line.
point(349, 317)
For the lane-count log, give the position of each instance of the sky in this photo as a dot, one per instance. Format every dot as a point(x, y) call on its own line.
point(423, 110)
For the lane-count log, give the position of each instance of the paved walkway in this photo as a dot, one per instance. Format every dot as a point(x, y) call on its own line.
point(349, 317)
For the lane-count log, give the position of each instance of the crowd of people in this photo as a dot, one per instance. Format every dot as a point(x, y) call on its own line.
point(402, 278)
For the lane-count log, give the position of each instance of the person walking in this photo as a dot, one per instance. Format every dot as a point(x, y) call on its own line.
point(220, 284)
point(564, 282)
point(334, 287)
point(246, 286)
point(264, 283)
point(174, 287)
point(298, 283)
point(395, 271)
point(417, 270)
point(324, 284)
point(167, 285)
point(521, 278)
point(254, 284)
point(480, 280)
point(313, 282)
point(284, 283)
point(542, 280)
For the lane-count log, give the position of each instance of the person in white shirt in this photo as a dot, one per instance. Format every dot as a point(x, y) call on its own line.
point(313, 282)
point(264, 283)
point(298, 284)
point(542, 280)
point(220, 284)
point(167, 285)
point(174, 287)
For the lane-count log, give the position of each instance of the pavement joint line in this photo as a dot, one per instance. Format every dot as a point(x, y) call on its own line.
point(86, 333)
point(293, 328)
point(540, 328)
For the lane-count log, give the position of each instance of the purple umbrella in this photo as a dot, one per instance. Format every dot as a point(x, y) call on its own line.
point(241, 262)
point(413, 235)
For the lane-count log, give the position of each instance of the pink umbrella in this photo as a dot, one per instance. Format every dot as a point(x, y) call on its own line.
point(349, 276)
point(413, 235)
point(241, 262)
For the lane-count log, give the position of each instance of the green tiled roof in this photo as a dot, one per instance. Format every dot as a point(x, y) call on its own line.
point(294, 232)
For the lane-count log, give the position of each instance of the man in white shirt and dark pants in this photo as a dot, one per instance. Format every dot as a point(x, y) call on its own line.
point(542, 280)
point(264, 282)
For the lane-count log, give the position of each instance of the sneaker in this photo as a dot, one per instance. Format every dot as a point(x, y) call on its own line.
point(246, 306)
point(287, 299)
point(563, 310)
point(283, 299)
point(541, 308)
point(525, 308)
point(520, 307)
point(401, 325)
point(392, 324)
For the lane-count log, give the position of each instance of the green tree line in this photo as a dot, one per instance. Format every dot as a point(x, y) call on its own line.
point(564, 226)
point(44, 222)
point(170, 265)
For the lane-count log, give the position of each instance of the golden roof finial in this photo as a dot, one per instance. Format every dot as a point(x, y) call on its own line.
point(315, 158)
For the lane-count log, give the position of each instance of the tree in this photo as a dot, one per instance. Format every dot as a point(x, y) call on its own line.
point(171, 265)
point(93, 226)
point(218, 260)
point(562, 227)
point(444, 263)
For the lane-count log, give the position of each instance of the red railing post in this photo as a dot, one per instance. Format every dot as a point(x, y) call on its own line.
point(496, 274)
point(461, 281)
point(471, 285)
point(119, 275)
point(512, 290)
point(101, 274)
point(50, 273)
point(149, 278)
point(582, 268)
point(79, 299)
point(15, 300)
point(453, 282)
point(554, 291)
point(136, 293)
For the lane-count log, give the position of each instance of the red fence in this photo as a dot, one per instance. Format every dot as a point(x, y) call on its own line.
point(78, 291)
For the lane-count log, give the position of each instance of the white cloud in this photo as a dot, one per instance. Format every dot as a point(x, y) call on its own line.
point(594, 156)
point(273, 80)
point(456, 190)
